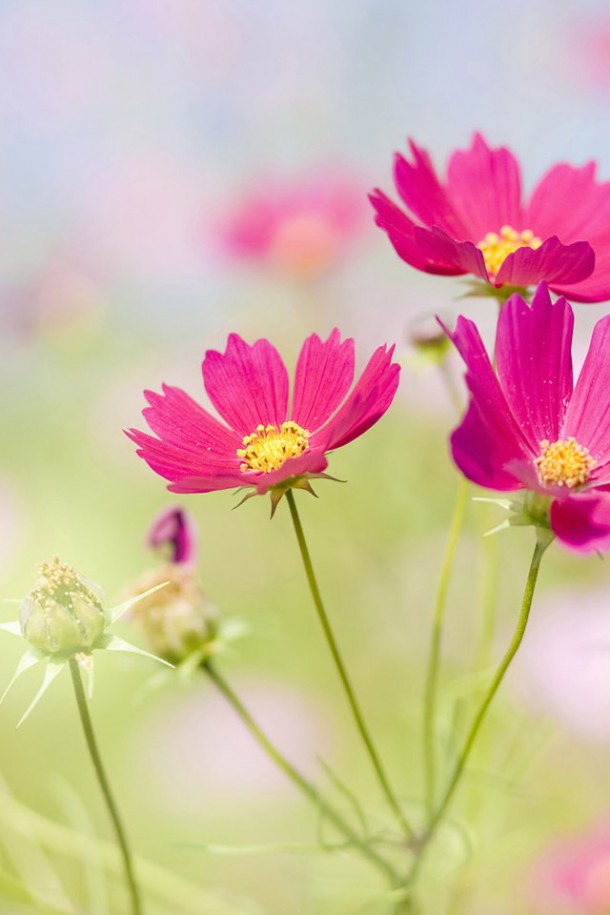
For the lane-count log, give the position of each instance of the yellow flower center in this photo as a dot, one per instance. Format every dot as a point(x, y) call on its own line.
point(267, 448)
point(564, 463)
point(496, 247)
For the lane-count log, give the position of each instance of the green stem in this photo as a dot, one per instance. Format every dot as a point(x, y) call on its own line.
point(81, 700)
point(334, 649)
point(431, 688)
point(543, 539)
point(295, 776)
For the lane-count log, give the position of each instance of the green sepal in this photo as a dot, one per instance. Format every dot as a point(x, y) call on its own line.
point(54, 667)
point(115, 613)
point(110, 642)
point(27, 660)
point(479, 289)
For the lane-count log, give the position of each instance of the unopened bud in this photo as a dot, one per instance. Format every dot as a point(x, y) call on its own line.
point(63, 614)
point(427, 337)
point(177, 619)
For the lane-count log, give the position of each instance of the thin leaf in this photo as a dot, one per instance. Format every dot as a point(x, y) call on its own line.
point(78, 818)
point(214, 848)
point(54, 667)
point(28, 659)
point(13, 889)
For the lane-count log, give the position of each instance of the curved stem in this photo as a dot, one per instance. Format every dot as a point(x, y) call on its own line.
point(295, 776)
point(81, 700)
point(342, 671)
point(431, 688)
point(543, 539)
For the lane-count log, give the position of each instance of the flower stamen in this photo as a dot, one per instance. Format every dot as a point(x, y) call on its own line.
point(497, 246)
point(564, 463)
point(268, 448)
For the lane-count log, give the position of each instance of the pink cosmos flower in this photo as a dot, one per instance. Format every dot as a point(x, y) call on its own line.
point(528, 427)
point(300, 228)
point(476, 222)
point(265, 444)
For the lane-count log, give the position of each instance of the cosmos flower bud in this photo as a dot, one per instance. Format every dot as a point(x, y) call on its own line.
point(63, 614)
point(178, 619)
point(428, 338)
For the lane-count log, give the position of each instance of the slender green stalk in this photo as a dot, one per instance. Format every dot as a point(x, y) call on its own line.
point(81, 700)
point(349, 690)
point(543, 539)
point(431, 688)
point(295, 776)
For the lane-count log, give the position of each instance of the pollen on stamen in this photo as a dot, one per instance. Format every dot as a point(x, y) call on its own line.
point(564, 463)
point(496, 247)
point(268, 448)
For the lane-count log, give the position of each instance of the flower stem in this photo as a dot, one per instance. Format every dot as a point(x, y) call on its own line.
point(543, 539)
point(334, 649)
point(295, 776)
point(81, 700)
point(431, 688)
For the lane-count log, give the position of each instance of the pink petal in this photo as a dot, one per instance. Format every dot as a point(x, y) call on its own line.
point(484, 186)
point(588, 416)
point(323, 377)
point(424, 195)
point(310, 462)
point(485, 454)
point(248, 385)
point(178, 419)
point(582, 522)
point(212, 483)
point(552, 263)
point(489, 439)
point(430, 251)
point(367, 403)
point(597, 287)
point(534, 363)
point(173, 462)
point(569, 203)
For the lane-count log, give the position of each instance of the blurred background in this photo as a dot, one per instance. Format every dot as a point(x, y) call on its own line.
point(172, 171)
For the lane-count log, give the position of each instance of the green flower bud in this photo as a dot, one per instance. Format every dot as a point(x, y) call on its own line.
point(428, 338)
point(177, 619)
point(63, 614)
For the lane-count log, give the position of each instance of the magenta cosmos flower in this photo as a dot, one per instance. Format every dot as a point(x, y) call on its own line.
point(475, 222)
point(529, 428)
point(265, 444)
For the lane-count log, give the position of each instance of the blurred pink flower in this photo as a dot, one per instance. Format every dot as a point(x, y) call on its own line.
point(528, 427)
point(476, 223)
point(574, 875)
point(261, 446)
point(299, 228)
